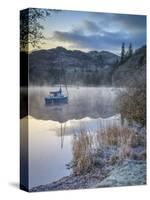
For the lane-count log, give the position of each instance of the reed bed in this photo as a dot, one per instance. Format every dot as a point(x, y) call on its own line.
point(86, 145)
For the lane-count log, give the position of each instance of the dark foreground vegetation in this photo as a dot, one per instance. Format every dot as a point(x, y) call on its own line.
point(132, 104)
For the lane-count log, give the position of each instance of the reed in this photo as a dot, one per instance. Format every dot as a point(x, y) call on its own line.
point(82, 146)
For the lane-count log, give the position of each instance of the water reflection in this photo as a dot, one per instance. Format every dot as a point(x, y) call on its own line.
point(51, 128)
point(50, 145)
point(47, 160)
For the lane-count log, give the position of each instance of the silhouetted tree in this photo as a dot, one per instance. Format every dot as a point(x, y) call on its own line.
point(122, 53)
point(30, 27)
point(130, 50)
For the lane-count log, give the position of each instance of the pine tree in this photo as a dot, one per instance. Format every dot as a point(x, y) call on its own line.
point(130, 51)
point(122, 53)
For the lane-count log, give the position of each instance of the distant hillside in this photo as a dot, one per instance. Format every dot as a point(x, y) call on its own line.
point(61, 65)
point(133, 71)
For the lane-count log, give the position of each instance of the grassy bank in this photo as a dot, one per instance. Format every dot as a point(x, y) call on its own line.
point(112, 157)
point(106, 148)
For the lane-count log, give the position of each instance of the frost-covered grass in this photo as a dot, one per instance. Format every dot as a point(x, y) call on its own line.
point(109, 147)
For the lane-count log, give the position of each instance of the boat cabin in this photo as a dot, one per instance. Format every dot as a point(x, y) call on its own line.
point(56, 97)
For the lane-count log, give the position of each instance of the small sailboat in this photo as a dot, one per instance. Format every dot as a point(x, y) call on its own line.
point(56, 97)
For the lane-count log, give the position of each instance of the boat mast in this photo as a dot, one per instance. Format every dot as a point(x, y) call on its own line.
point(60, 78)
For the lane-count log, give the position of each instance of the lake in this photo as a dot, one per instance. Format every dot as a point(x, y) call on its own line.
point(51, 128)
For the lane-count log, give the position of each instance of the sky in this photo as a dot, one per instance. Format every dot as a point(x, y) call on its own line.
point(88, 31)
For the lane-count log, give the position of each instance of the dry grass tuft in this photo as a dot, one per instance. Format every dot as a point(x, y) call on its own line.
point(122, 138)
point(82, 145)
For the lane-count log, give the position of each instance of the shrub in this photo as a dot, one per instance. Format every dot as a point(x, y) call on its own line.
point(132, 104)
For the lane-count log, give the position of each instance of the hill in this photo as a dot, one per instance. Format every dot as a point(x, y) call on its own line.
point(132, 71)
point(61, 65)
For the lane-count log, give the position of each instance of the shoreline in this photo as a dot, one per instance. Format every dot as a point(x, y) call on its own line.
point(128, 173)
point(107, 170)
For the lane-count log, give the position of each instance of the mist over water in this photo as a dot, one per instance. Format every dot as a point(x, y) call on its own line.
point(83, 102)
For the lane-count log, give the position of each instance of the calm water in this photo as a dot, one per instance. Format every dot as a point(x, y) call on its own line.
point(51, 127)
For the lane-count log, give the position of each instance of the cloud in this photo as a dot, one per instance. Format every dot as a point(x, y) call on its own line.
point(107, 32)
point(94, 41)
point(91, 26)
point(86, 26)
point(135, 24)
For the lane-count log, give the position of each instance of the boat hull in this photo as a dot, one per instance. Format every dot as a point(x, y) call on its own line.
point(62, 100)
